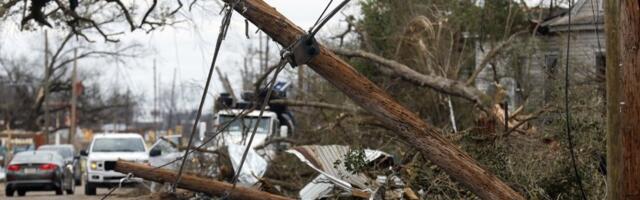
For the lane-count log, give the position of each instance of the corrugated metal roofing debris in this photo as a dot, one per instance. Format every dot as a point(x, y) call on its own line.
point(323, 159)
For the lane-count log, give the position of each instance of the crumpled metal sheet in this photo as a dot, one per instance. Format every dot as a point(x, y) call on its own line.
point(322, 159)
point(319, 187)
point(254, 167)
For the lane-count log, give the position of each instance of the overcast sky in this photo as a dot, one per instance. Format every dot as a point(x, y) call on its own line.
point(185, 48)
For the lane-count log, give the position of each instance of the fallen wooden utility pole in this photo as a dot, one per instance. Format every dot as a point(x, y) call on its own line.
point(194, 183)
point(408, 125)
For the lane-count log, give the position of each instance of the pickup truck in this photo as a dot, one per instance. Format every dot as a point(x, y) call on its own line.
point(104, 151)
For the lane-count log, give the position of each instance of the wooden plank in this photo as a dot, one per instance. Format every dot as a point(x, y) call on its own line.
point(408, 126)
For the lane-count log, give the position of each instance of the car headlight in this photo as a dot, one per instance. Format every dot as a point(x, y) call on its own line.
point(94, 165)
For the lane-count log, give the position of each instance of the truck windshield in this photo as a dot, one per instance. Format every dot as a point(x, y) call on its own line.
point(118, 145)
point(245, 125)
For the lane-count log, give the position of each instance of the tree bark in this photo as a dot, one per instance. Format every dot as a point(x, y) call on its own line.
point(194, 183)
point(460, 166)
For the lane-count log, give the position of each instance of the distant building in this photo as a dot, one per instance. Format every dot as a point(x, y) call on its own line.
point(535, 73)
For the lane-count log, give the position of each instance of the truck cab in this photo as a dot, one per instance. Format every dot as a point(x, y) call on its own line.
point(238, 130)
point(107, 148)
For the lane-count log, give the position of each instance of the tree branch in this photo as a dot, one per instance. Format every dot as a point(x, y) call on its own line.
point(6, 6)
point(77, 18)
point(126, 13)
point(438, 83)
point(492, 54)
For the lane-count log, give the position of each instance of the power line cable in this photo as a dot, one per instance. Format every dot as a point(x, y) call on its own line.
point(567, 109)
point(285, 53)
point(122, 180)
point(224, 27)
point(265, 101)
point(327, 18)
point(242, 114)
point(321, 15)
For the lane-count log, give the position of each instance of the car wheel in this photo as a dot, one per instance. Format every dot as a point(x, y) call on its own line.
point(22, 192)
point(8, 191)
point(89, 189)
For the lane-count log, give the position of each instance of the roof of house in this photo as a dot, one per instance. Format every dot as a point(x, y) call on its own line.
point(583, 17)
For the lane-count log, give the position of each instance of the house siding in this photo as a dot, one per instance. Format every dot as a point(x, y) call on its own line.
point(535, 84)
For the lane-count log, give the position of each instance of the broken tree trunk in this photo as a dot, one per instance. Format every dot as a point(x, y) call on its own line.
point(194, 183)
point(365, 93)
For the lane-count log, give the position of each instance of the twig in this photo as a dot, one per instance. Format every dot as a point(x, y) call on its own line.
point(126, 13)
point(144, 19)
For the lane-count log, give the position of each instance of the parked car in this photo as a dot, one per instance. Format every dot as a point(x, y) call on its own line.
point(104, 151)
point(68, 152)
point(38, 171)
point(21, 148)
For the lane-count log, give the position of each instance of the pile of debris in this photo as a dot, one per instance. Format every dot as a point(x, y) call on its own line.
point(341, 171)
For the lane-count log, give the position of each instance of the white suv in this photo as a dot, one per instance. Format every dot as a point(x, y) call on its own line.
point(104, 151)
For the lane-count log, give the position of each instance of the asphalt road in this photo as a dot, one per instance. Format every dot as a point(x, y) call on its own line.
point(122, 193)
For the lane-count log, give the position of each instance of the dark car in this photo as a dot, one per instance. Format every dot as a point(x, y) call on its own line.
point(68, 153)
point(38, 171)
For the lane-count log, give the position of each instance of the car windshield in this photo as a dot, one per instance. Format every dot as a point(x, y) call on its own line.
point(34, 157)
point(245, 125)
point(118, 145)
point(63, 151)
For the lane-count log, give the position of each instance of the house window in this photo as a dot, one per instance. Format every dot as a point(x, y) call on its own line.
point(550, 68)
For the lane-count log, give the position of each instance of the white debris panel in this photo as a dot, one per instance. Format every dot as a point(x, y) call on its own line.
point(323, 159)
point(254, 166)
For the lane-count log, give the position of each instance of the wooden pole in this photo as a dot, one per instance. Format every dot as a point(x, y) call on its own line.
point(624, 146)
point(408, 126)
point(74, 98)
point(45, 87)
point(614, 155)
point(195, 183)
